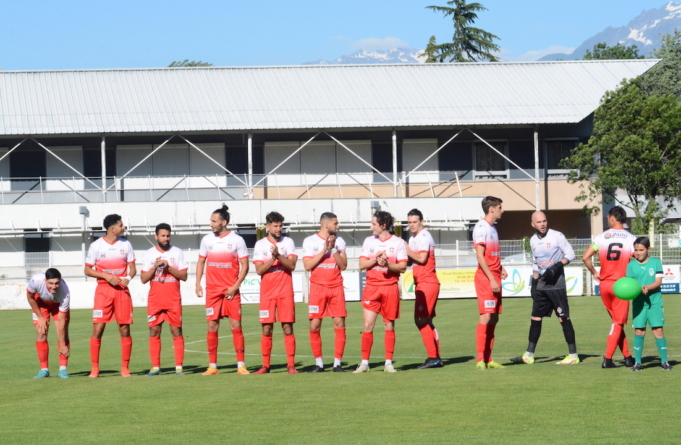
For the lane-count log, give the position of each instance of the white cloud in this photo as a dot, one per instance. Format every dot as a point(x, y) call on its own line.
point(373, 44)
point(536, 55)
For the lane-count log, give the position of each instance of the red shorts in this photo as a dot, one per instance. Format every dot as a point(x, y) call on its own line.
point(157, 314)
point(217, 307)
point(112, 301)
point(488, 302)
point(277, 309)
point(48, 310)
point(426, 299)
point(618, 309)
point(384, 300)
point(326, 301)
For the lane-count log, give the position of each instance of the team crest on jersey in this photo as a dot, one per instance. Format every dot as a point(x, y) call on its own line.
point(210, 247)
point(651, 272)
point(102, 255)
point(391, 250)
point(548, 245)
point(122, 252)
point(314, 309)
point(171, 260)
point(265, 314)
point(230, 246)
point(96, 314)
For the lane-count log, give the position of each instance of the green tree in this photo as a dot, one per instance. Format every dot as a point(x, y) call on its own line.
point(186, 63)
point(432, 52)
point(635, 147)
point(665, 77)
point(602, 51)
point(468, 44)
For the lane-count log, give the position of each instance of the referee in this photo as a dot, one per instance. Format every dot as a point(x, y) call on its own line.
point(550, 253)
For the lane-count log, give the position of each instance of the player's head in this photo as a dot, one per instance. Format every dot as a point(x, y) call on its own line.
point(415, 220)
point(52, 280)
point(539, 222)
point(163, 236)
point(329, 222)
point(275, 224)
point(381, 222)
point(616, 217)
point(492, 206)
point(113, 224)
point(219, 220)
point(641, 248)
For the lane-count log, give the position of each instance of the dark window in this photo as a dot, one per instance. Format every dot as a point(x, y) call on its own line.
point(237, 159)
point(27, 163)
point(488, 160)
point(382, 156)
point(455, 157)
point(556, 151)
point(37, 242)
point(92, 163)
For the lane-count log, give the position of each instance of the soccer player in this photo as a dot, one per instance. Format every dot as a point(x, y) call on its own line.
point(48, 295)
point(324, 256)
point(165, 267)
point(111, 260)
point(227, 258)
point(615, 247)
point(648, 307)
point(421, 252)
point(550, 252)
point(275, 258)
point(488, 279)
point(384, 257)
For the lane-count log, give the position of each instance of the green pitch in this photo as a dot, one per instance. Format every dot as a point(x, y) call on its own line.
point(540, 403)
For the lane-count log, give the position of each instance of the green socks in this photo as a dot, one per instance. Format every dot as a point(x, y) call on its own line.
point(638, 347)
point(661, 344)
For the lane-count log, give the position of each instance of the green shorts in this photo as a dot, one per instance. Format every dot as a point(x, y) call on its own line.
point(653, 315)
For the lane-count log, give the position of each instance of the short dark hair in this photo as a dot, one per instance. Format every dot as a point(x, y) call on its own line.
point(163, 226)
point(274, 217)
point(223, 212)
point(642, 240)
point(111, 220)
point(52, 273)
point(490, 201)
point(619, 214)
point(416, 212)
point(327, 216)
point(384, 218)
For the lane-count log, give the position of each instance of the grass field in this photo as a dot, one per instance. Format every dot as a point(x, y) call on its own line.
point(541, 403)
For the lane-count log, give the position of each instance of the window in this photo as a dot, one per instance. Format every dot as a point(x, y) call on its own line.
point(556, 151)
point(489, 163)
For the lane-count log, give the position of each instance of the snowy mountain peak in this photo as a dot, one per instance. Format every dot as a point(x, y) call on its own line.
point(394, 55)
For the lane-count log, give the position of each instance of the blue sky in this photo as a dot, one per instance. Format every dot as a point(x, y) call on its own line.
point(62, 34)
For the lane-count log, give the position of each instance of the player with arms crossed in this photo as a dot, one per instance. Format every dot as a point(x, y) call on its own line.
point(488, 279)
point(111, 259)
point(421, 252)
point(165, 267)
point(384, 257)
point(324, 256)
point(550, 252)
point(48, 295)
point(615, 247)
point(648, 307)
point(227, 258)
point(275, 259)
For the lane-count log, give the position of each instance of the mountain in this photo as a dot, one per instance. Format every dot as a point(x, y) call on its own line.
point(395, 55)
point(644, 31)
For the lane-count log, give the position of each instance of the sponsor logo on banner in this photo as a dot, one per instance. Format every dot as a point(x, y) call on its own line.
point(671, 279)
point(516, 284)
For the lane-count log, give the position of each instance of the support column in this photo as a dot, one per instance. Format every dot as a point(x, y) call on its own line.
point(536, 167)
point(394, 163)
point(103, 168)
point(250, 165)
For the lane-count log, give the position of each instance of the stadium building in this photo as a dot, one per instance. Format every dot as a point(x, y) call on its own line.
point(172, 144)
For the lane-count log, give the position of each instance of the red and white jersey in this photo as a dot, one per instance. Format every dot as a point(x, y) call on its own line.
point(615, 248)
point(164, 285)
point(486, 234)
point(396, 251)
point(36, 286)
point(327, 272)
point(423, 242)
point(277, 282)
point(110, 258)
point(222, 256)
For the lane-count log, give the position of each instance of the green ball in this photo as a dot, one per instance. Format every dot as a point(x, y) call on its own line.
point(627, 288)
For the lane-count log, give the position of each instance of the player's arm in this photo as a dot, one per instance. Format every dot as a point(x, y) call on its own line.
point(367, 263)
point(480, 256)
point(311, 262)
point(568, 251)
point(651, 287)
point(132, 271)
point(200, 265)
point(62, 334)
point(289, 262)
point(147, 275)
point(109, 278)
point(42, 321)
point(417, 257)
point(399, 267)
point(590, 251)
point(341, 259)
point(243, 271)
point(261, 267)
point(178, 274)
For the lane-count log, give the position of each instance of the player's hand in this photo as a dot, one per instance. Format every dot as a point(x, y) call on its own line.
point(331, 242)
point(113, 280)
point(63, 350)
point(504, 274)
point(42, 325)
point(275, 252)
point(199, 291)
point(495, 286)
point(160, 263)
point(597, 277)
point(230, 292)
point(644, 290)
point(124, 282)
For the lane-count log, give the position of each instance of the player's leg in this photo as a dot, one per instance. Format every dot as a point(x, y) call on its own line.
point(541, 307)
point(41, 344)
point(489, 307)
point(424, 311)
point(389, 342)
point(371, 308)
point(390, 311)
point(339, 342)
point(619, 312)
point(265, 345)
point(95, 347)
point(126, 349)
point(102, 313)
point(559, 301)
point(239, 342)
point(155, 346)
point(123, 311)
point(289, 346)
point(639, 340)
point(213, 315)
point(61, 322)
point(656, 321)
point(316, 311)
point(178, 345)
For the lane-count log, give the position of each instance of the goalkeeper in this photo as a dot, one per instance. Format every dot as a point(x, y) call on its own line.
point(550, 253)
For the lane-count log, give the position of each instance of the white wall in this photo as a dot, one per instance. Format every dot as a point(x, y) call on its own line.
point(415, 151)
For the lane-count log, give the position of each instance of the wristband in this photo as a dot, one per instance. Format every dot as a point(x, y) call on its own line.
point(334, 250)
point(129, 278)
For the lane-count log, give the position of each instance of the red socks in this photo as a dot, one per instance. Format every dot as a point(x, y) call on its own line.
point(485, 341)
point(155, 351)
point(239, 344)
point(339, 343)
point(389, 342)
point(615, 339)
point(95, 346)
point(43, 349)
point(63, 360)
point(316, 343)
point(178, 347)
point(367, 343)
point(430, 341)
point(126, 351)
point(480, 342)
point(266, 349)
point(290, 346)
point(212, 342)
point(489, 343)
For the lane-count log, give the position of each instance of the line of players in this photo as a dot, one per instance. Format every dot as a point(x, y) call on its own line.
point(224, 257)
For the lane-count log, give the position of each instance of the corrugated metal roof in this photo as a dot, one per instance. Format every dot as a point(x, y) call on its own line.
point(306, 97)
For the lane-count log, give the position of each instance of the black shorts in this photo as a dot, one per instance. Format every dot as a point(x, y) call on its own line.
point(545, 302)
